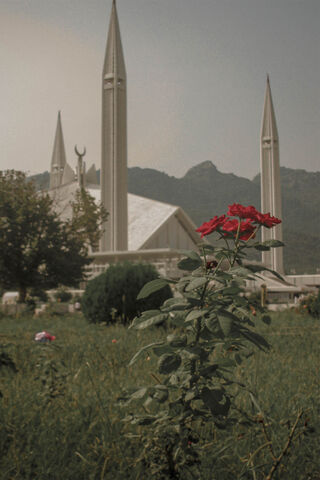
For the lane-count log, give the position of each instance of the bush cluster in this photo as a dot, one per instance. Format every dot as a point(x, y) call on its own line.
point(63, 295)
point(112, 296)
point(312, 304)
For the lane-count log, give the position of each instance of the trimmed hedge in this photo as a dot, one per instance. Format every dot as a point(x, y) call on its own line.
point(112, 296)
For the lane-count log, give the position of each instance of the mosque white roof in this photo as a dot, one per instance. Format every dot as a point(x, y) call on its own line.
point(145, 216)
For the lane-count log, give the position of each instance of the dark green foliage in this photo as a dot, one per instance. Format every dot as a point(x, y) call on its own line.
point(63, 295)
point(312, 305)
point(39, 294)
point(37, 249)
point(112, 296)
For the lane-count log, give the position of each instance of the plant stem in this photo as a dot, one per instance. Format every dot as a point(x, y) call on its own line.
point(278, 460)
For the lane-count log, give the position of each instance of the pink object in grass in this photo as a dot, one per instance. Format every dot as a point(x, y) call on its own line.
point(114, 340)
point(44, 337)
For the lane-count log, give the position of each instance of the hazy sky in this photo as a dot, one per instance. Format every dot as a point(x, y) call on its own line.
point(196, 73)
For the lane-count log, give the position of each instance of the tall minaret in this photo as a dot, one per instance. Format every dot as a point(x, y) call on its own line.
point(58, 160)
point(270, 181)
point(114, 191)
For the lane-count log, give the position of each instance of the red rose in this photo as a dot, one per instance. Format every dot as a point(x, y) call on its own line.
point(251, 213)
point(246, 228)
point(266, 220)
point(211, 226)
point(237, 210)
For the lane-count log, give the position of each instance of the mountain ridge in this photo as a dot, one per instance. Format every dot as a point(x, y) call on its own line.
point(204, 191)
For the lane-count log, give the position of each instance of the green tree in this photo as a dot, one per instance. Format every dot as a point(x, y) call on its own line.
point(88, 217)
point(37, 248)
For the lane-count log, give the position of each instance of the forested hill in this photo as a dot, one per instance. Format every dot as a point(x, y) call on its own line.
point(204, 192)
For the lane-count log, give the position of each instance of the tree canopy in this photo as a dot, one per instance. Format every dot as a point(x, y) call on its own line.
point(37, 248)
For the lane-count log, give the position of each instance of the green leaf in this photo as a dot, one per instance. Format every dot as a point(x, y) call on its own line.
point(191, 395)
point(207, 248)
point(212, 400)
point(156, 320)
point(232, 290)
point(151, 287)
point(138, 394)
point(143, 349)
point(255, 338)
point(266, 319)
point(190, 254)
point(255, 403)
point(194, 314)
point(196, 283)
point(174, 304)
point(225, 324)
point(169, 362)
point(273, 243)
point(189, 264)
point(145, 315)
point(160, 393)
point(238, 358)
point(177, 341)
point(162, 349)
point(146, 420)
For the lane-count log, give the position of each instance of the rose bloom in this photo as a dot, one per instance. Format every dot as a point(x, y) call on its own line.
point(237, 210)
point(251, 213)
point(266, 220)
point(246, 228)
point(114, 340)
point(211, 226)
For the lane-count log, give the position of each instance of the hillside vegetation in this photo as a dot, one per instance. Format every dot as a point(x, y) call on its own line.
point(204, 192)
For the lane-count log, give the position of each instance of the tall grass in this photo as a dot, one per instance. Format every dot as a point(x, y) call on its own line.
point(59, 416)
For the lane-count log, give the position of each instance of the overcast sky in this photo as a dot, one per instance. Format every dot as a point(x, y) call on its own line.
point(196, 72)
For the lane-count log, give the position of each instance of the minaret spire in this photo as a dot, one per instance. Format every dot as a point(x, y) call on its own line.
point(114, 191)
point(58, 159)
point(270, 181)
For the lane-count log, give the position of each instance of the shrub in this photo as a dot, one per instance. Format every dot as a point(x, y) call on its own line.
point(63, 295)
point(312, 304)
point(39, 294)
point(112, 296)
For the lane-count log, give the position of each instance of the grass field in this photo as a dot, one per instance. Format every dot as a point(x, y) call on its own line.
point(59, 418)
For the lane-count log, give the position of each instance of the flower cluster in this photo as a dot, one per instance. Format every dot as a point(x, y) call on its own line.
point(249, 217)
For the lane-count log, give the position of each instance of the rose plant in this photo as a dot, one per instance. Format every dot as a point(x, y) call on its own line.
point(212, 331)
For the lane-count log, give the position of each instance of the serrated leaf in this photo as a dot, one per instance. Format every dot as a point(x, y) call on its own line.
point(143, 349)
point(151, 287)
point(196, 283)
